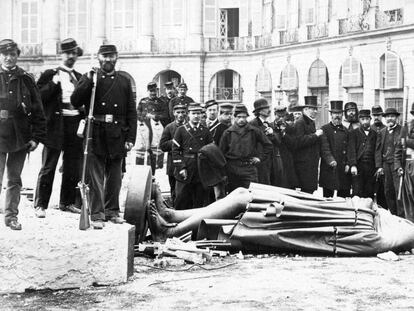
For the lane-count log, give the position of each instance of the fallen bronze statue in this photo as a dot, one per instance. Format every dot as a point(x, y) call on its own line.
point(273, 219)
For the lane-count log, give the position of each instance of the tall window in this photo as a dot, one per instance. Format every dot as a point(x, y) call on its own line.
point(172, 12)
point(30, 22)
point(77, 20)
point(122, 19)
point(268, 16)
point(318, 75)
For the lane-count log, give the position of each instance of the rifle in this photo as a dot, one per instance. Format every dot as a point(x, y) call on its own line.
point(404, 133)
point(84, 222)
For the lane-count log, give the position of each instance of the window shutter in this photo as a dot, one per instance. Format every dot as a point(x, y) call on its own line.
point(293, 16)
point(243, 18)
point(355, 72)
point(346, 72)
point(322, 13)
point(281, 11)
point(293, 78)
point(392, 71)
point(177, 11)
point(257, 17)
point(210, 18)
point(318, 74)
point(264, 83)
point(236, 80)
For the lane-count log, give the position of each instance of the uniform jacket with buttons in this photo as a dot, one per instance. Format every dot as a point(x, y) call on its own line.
point(358, 143)
point(113, 97)
point(166, 144)
point(155, 106)
point(51, 94)
point(21, 99)
point(334, 147)
point(217, 129)
point(381, 148)
point(187, 142)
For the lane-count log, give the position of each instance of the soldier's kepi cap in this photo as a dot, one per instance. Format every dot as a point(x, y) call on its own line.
point(8, 45)
point(151, 86)
point(107, 49)
point(210, 103)
point(194, 107)
point(182, 86)
point(240, 108)
point(69, 45)
point(226, 106)
point(364, 113)
point(377, 110)
point(179, 106)
point(169, 84)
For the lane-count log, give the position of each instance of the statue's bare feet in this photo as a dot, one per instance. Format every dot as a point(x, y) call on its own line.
point(160, 229)
point(162, 209)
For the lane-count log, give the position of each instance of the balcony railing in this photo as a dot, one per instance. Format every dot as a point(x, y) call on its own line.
point(31, 49)
point(384, 19)
point(228, 94)
point(317, 31)
point(229, 44)
point(353, 23)
point(264, 41)
point(167, 45)
point(127, 45)
point(288, 36)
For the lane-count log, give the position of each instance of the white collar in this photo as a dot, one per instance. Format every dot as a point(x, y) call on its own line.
point(66, 68)
point(7, 70)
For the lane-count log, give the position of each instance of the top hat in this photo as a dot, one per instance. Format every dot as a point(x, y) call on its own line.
point(260, 103)
point(389, 111)
point(351, 105)
point(179, 106)
point(376, 110)
point(169, 84)
point(294, 107)
point(210, 103)
point(151, 86)
point(194, 107)
point(364, 113)
point(412, 109)
point(70, 44)
point(240, 108)
point(182, 85)
point(107, 49)
point(8, 45)
point(336, 106)
point(311, 101)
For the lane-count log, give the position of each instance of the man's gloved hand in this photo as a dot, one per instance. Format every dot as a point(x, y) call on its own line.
point(379, 172)
point(128, 146)
point(333, 164)
point(319, 132)
point(268, 131)
point(31, 145)
point(346, 169)
point(400, 172)
point(183, 174)
point(354, 170)
point(56, 78)
point(255, 160)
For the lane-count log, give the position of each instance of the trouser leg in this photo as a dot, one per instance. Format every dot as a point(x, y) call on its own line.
point(3, 158)
point(113, 181)
point(14, 164)
point(50, 158)
point(344, 193)
point(96, 176)
point(183, 199)
point(171, 180)
point(389, 190)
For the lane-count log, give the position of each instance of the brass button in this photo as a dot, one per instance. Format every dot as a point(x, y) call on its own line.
point(103, 104)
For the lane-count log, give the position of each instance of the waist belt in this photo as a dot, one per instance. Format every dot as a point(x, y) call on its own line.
point(240, 162)
point(6, 114)
point(190, 155)
point(108, 118)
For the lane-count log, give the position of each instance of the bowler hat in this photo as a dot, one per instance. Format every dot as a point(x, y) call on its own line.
point(336, 106)
point(194, 107)
point(311, 101)
point(169, 84)
point(376, 110)
point(179, 106)
point(151, 86)
point(240, 108)
point(391, 110)
point(182, 86)
point(294, 107)
point(68, 45)
point(260, 103)
point(412, 109)
point(351, 105)
point(8, 45)
point(107, 49)
point(210, 103)
point(364, 113)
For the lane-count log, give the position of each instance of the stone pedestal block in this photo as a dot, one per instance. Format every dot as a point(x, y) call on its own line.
point(52, 253)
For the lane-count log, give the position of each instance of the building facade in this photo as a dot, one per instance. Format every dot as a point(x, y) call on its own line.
point(234, 50)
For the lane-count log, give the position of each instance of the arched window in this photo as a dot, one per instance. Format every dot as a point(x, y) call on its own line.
point(318, 75)
point(351, 73)
point(289, 78)
point(225, 86)
point(263, 81)
point(392, 74)
point(167, 76)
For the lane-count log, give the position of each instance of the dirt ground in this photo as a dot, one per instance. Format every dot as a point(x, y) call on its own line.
point(275, 282)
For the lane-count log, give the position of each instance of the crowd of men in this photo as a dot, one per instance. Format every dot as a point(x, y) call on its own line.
point(213, 148)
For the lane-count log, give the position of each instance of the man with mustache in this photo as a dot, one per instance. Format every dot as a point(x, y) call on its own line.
point(113, 134)
point(56, 86)
point(362, 144)
point(334, 166)
point(181, 98)
point(387, 139)
point(244, 146)
point(170, 93)
point(188, 140)
point(351, 116)
point(377, 116)
point(296, 110)
point(22, 125)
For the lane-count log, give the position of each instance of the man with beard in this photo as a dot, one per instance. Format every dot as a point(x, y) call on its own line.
point(376, 112)
point(181, 98)
point(187, 141)
point(113, 133)
point(56, 86)
point(243, 146)
point(351, 116)
point(296, 110)
point(152, 107)
point(387, 139)
point(334, 166)
point(262, 113)
point(166, 144)
point(362, 144)
point(22, 125)
point(307, 146)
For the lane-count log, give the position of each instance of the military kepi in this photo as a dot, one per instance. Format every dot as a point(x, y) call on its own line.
point(8, 45)
point(107, 49)
point(151, 86)
point(336, 106)
point(194, 107)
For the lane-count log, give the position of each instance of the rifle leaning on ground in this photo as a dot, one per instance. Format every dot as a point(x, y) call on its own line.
point(84, 222)
point(404, 133)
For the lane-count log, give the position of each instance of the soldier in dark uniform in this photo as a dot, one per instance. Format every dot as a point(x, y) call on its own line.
point(56, 86)
point(362, 142)
point(113, 134)
point(307, 146)
point(262, 113)
point(351, 116)
point(166, 144)
point(243, 146)
point(152, 107)
point(387, 139)
point(334, 168)
point(211, 113)
point(170, 93)
point(224, 122)
point(22, 125)
point(188, 140)
point(181, 98)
